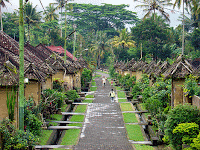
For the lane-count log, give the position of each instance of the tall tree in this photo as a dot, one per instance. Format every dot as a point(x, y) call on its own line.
point(105, 17)
point(178, 3)
point(99, 46)
point(31, 16)
point(50, 14)
point(60, 5)
point(154, 34)
point(2, 4)
point(153, 5)
point(123, 41)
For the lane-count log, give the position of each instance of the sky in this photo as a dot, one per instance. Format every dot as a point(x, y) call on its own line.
point(174, 16)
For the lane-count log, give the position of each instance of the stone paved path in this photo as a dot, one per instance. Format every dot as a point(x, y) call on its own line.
point(103, 128)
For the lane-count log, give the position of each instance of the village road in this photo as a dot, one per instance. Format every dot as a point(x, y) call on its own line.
point(103, 128)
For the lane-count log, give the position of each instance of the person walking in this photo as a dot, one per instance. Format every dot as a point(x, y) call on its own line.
point(103, 81)
point(112, 95)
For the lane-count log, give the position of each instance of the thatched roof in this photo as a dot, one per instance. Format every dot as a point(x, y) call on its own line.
point(139, 66)
point(179, 69)
point(8, 74)
point(150, 67)
point(128, 65)
point(82, 62)
point(162, 68)
point(32, 72)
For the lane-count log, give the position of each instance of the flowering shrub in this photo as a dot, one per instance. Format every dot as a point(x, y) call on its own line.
point(57, 85)
point(15, 139)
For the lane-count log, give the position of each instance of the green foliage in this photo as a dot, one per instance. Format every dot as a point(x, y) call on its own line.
point(111, 71)
point(180, 114)
point(185, 133)
point(196, 142)
point(191, 87)
point(51, 99)
point(31, 122)
point(90, 17)
point(140, 85)
point(11, 98)
point(86, 77)
point(89, 96)
point(15, 139)
point(72, 95)
point(153, 34)
point(121, 94)
point(57, 85)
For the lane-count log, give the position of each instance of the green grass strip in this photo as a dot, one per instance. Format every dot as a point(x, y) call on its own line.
point(118, 88)
point(45, 136)
point(121, 94)
point(93, 88)
point(94, 84)
point(143, 147)
point(75, 124)
point(130, 118)
point(81, 108)
point(126, 107)
point(122, 100)
point(77, 118)
point(134, 132)
point(71, 137)
point(63, 108)
point(89, 96)
point(87, 101)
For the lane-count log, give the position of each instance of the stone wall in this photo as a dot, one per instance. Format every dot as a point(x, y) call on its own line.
point(196, 101)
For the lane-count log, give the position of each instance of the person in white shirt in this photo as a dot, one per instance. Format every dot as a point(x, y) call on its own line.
point(112, 95)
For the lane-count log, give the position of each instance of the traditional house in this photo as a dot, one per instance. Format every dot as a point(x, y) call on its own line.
point(9, 82)
point(34, 86)
point(178, 72)
point(127, 66)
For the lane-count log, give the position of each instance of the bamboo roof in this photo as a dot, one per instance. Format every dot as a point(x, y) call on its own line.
point(179, 69)
point(8, 74)
point(128, 65)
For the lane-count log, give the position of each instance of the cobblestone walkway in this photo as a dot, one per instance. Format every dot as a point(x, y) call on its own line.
point(103, 128)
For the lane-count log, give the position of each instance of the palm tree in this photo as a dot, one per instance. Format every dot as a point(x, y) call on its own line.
point(31, 16)
point(153, 5)
point(124, 40)
point(178, 3)
point(99, 46)
point(60, 4)
point(2, 4)
point(50, 13)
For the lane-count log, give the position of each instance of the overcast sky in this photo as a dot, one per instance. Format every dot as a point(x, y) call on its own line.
point(173, 16)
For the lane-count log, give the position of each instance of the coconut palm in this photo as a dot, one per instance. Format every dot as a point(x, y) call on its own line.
point(124, 40)
point(50, 13)
point(153, 5)
point(31, 16)
point(60, 5)
point(2, 4)
point(99, 46)
point(178, 3)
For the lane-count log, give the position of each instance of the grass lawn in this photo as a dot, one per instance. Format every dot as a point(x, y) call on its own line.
point(54, 117)
point(77, 118)
point(63, 108)
point(126, 107)
point(45, 136)
point(81, 108)
point(134, 132)
point(87, 101)
point(118, 88)
point(130, 118)
point(97, 76)
point(93, 88)
point(142, 105)
point(122, 100)
point(71, 137)
point(121, 94)
point(89, 96)
point(143, 147)
point(94, 84)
